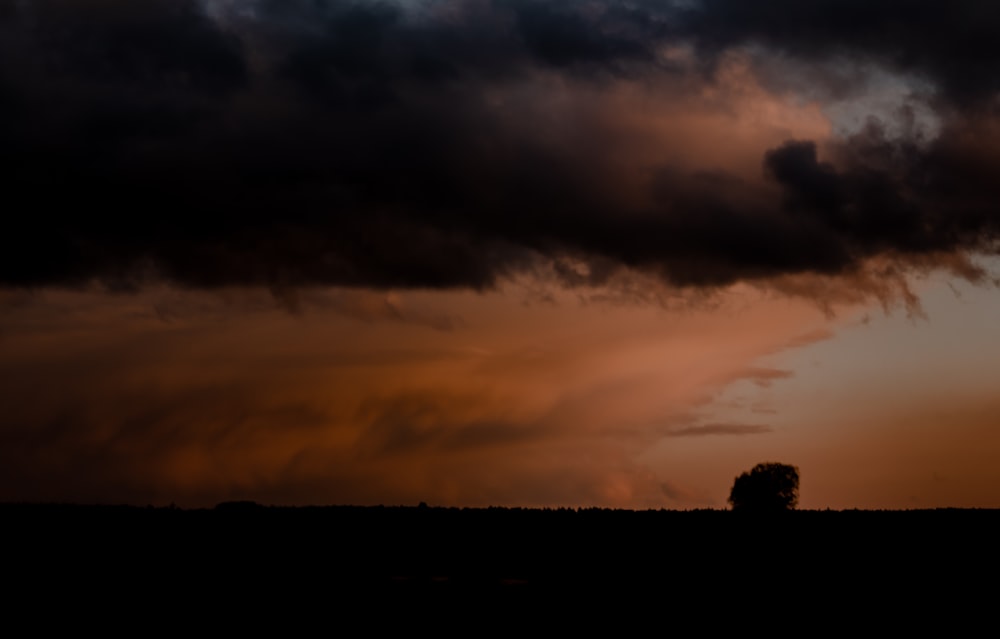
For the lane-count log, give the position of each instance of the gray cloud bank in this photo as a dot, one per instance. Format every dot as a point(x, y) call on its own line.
point(285, 143)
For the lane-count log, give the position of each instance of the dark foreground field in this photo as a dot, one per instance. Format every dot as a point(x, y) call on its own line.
point(242, 566)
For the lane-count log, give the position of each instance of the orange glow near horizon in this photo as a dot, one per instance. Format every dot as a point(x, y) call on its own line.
point(503, 398)
point(875, 377)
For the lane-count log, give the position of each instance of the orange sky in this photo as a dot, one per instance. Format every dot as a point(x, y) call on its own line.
point(400, 267)
point(509, 397)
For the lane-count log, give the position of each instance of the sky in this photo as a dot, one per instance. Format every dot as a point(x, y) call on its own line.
point(499, 252)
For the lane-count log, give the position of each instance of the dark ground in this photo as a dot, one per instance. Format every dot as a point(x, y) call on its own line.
point(243, 566)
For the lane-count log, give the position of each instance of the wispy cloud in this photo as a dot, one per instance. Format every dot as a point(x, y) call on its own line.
point(764, 377)
point(720, 429)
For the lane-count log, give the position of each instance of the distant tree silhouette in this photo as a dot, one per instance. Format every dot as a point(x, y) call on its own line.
point(767, 487)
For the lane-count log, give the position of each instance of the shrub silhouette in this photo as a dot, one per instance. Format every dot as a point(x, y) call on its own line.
point(767, 487)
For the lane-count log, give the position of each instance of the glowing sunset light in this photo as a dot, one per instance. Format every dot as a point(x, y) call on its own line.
point(512, 252)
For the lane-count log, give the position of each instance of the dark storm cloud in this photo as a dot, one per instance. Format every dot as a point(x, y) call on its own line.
point(954, 45)
point(412, 144)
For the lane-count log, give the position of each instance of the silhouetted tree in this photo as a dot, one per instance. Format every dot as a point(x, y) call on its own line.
point(767, 487)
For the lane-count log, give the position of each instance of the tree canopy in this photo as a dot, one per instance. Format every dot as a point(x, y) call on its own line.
point(766, 487)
